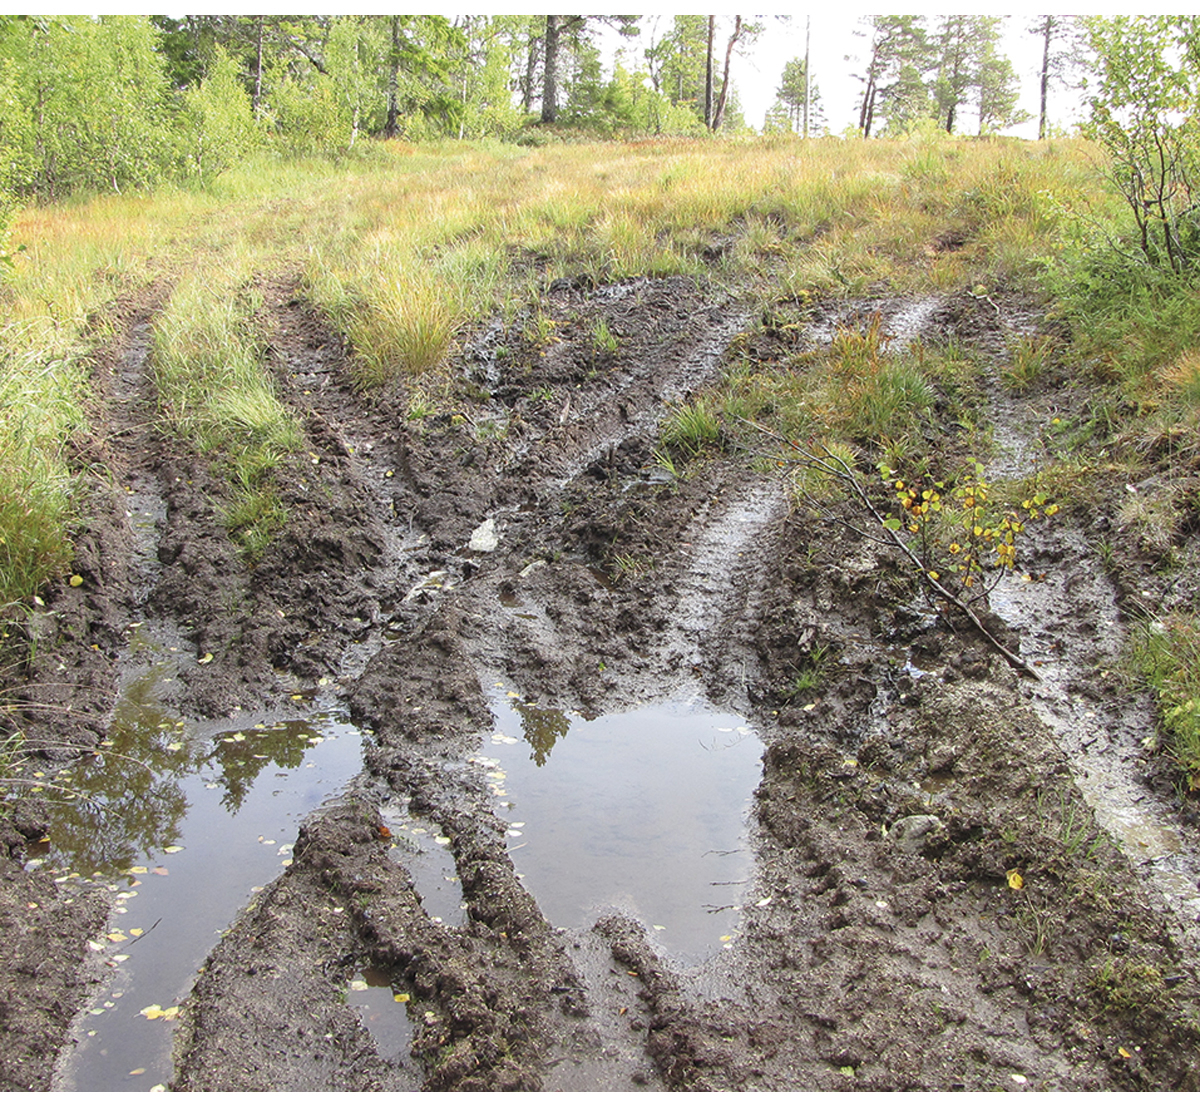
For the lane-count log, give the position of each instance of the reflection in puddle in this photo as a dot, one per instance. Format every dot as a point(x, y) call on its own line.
point(182, 822)
point(383, 1012)
point(643, 811)
point(424, 851)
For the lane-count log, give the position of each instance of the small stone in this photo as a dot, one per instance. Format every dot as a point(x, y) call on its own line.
point(910, 833)
point(483, 537)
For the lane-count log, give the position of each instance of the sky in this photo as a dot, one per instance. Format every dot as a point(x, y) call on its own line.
point(756, 74)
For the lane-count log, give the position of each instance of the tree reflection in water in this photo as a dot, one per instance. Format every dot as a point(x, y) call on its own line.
point(541, 727)
point(129, 799)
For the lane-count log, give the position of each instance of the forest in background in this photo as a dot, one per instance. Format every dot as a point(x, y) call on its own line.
point(120, 102)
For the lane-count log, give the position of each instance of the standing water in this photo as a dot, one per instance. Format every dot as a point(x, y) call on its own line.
point(183, 822)
point(643, 811)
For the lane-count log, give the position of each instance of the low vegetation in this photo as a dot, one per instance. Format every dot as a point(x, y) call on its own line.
point(406, 249)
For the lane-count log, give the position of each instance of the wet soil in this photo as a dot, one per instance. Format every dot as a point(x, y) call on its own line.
point(512, 526)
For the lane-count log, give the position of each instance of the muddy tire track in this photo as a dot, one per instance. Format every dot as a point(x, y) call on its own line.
point(519, 532)
point(70, 684)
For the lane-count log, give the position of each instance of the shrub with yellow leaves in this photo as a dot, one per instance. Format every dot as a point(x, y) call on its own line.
point(979, 537)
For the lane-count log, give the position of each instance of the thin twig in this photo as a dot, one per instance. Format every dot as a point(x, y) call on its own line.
point(840, 470)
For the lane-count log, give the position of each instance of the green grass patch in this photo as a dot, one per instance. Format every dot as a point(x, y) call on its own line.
point(692, 428)
point(1166, 653)
point(41, 408)
point(216, 394)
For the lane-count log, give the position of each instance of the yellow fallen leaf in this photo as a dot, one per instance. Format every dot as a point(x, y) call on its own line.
point(136, 1072)
point(205, 659)
point(117, 936)
point(136, 931)
point(75, 581)
point(401, 997)
point(1015, 880)
point(154, 1011)
point(1124, 1053)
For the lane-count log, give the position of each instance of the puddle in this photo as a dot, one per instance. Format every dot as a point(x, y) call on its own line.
point(424, 851)
point(182, 821)
point(643, 811)
point(383, 1012)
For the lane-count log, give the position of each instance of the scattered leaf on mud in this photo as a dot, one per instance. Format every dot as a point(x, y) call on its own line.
point(763, 902)
point(847, 1070)
point(442, 840)
point(401, 997)
point(136, 931)
point(1124, 1053)
point(137, 1072)
point(1017, 1078)
point(725, 938)
point(657, 927)
point(139, 869)
point(117, 936)
point(1015, 880)
point(358, 985)
point(75, 581)
point(205, 659)
point(173, 849)
point(516, 833)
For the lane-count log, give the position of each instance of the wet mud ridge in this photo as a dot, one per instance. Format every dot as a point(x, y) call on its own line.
point(520, 607)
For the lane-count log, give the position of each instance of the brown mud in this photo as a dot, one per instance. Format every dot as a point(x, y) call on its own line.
point(513, 525)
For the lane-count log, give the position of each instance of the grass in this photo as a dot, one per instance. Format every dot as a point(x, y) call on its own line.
point(1166, 653)
point(406, 248)
point(692, 428)
point(215, 392)
point(42, 410)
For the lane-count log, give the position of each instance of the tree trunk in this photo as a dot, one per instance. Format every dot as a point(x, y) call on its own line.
point(531, 63)
point(1046, 31)
point(807, 72)
point(391, 126)
point(867, 113)
point(258, 67)
point(719, 113)
point(708, 77)
point(550, 82)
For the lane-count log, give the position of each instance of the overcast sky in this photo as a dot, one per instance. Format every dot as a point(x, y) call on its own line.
point(756, 73)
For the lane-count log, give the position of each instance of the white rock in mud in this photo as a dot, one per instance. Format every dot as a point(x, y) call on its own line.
point(483, 537)
point(910, 833)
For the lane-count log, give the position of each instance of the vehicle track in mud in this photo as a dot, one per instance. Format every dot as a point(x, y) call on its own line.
point(881, 946)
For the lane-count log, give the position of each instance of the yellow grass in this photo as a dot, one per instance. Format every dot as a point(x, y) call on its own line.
point(405, 247)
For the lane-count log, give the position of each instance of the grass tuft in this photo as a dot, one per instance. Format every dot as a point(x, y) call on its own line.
point(1166, 652)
